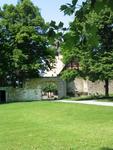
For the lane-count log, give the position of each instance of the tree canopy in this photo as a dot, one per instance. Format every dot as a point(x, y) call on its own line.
point(91, 39)
point(24, 46)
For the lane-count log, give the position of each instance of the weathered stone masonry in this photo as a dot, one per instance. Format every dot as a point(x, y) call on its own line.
point(32, 89)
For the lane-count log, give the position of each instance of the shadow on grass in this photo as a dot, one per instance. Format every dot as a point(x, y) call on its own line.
point(106, 148)
point(26, 101)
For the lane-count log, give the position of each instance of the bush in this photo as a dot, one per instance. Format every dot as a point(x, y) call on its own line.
point(50, 87)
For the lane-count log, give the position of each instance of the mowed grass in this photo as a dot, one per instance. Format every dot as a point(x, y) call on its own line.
point(55, 126)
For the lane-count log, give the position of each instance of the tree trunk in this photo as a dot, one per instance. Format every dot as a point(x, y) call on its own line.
point(106, 87)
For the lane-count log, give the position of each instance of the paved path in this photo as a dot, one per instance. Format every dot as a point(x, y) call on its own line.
point(90, 102)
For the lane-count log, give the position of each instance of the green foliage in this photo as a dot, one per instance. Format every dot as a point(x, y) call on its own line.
point(69, 74)
point(55, 31)
point(55, 35)
point(50, 87)
point(96, 5)
point(24, 47)
point(90, 38)
point(69, 8)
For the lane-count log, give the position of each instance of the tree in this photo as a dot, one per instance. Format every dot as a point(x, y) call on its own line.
point(103, 65)
point(96, 5)
point(55, 34)
point(50, 88)
point(92, 44)
point(24, 47)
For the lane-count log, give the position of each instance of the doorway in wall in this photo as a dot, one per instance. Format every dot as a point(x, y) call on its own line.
point(2, 96)
point(50, 90)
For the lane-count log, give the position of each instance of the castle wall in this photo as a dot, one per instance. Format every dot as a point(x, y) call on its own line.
point(82, 86)
point(32, 90)
point(98, 87)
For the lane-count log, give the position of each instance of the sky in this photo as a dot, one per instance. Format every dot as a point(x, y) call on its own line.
point(49, 9)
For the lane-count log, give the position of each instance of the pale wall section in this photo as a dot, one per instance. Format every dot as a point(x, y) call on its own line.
point(82, 86)
point(77, 86)
point(32, 90)
point(111, 86)
point(98, 87)
point(61, 88)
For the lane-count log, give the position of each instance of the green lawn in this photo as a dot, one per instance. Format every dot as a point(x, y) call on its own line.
point(86, 97)
point(55, 126)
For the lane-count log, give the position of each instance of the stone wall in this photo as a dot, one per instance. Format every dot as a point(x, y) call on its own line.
point(32, 90)
point(77, 86)
point(97, 88)
point(61, 88)
point(82, 86)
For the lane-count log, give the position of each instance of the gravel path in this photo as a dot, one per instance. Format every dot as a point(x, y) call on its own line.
point(90, 102)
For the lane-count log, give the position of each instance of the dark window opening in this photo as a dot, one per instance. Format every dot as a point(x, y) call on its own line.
point(2, 96)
